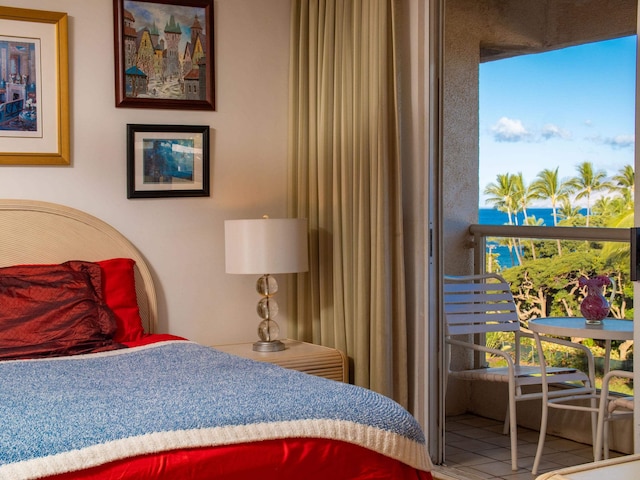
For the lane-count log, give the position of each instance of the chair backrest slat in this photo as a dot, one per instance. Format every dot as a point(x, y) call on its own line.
point(479, 304)
point(456, 297)
point(479, 308)
point(477, 328)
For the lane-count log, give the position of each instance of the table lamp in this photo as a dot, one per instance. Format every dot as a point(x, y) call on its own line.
point(264, 247)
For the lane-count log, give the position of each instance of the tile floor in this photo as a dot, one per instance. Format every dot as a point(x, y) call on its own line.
point(477, 449)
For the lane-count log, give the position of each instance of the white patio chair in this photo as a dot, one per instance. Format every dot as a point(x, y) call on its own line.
point(565, 398)
point(611, 408)
point(479, 304)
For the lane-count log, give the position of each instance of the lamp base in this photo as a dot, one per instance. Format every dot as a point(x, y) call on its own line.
point(273, 346)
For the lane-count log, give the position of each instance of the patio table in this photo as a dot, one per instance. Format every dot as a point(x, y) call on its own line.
point(610, 329)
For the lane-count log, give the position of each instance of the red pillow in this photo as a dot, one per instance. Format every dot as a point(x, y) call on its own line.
point(51, 310)
point(119, 289)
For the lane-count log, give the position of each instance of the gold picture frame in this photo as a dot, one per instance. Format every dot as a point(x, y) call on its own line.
point(34, 99)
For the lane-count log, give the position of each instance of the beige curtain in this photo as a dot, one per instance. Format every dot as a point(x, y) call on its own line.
point(346, 179)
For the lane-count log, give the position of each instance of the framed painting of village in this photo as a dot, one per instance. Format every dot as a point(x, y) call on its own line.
point(164, 54)
point(34, 87)
point(167, 161)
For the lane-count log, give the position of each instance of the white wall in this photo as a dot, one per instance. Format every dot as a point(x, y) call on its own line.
point(182, 238)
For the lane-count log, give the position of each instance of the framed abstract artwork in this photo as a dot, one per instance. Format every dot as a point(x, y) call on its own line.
point(164, 54)
point(167, 161)
point(34, 87)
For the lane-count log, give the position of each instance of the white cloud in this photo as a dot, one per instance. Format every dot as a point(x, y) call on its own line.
point(550, 131)
point(616, 143)
point(620, 141)
point(509, 130)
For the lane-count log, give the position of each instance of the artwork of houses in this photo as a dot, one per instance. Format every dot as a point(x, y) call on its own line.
point(156, 66)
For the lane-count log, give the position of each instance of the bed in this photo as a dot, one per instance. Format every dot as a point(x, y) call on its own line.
point(90, 390)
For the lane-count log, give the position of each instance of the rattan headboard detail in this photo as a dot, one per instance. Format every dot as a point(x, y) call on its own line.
point(41, 232)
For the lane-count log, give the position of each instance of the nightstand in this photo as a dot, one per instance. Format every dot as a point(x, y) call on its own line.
point(305, 357)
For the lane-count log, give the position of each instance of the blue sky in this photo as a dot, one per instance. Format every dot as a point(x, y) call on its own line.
point(147, 14)
point(558, 109)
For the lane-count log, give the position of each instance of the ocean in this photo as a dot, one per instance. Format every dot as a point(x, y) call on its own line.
point(491, 216)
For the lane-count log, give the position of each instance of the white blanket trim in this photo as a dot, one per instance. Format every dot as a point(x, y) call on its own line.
point(381, 441)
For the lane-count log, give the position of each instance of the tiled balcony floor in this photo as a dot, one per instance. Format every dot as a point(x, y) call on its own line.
point(477, 449)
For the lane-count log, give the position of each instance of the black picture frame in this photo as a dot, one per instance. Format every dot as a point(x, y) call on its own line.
point(167, 161)
point(164, 54)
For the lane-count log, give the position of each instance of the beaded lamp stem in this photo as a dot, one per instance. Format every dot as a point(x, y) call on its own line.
point(267, 309)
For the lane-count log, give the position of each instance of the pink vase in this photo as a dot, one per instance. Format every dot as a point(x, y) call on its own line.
point(595, 307)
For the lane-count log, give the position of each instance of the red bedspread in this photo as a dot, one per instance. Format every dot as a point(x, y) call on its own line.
point(308, 459)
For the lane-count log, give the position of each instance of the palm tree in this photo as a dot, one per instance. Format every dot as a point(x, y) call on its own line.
point(503, 196)
point(523, 195)
point(535, 222)
point(568, 211)
point(625, 184)
point(602, 206)
point(588, 182)
point(625, 178)
point(502, 193)
point(547, 186)
point(611, 207)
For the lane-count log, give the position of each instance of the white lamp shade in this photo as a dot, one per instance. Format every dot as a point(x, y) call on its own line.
point(266, 245)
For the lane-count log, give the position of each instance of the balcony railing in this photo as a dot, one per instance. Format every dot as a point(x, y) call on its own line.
point(482, 233)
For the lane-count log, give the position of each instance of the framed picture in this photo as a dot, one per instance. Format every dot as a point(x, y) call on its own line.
point(167, 161)
point(164, 54)
point(34, 87)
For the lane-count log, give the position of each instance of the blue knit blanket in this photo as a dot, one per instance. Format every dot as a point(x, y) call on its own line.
point(69, 413)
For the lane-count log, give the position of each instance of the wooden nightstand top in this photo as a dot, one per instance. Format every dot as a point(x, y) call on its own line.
point(305, 357)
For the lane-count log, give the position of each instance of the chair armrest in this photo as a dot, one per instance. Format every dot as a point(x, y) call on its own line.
point(559, 341)
point(613, 374)
point(566, 343)
point(604, 391)
point(482, 348)
point(602, 409)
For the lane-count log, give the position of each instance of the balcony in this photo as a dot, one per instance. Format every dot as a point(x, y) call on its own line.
point(484, 236)
point(487, 403)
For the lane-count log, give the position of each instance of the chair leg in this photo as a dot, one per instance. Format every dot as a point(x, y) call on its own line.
point(594, 426)
point(605, 438)
point(602, 426)
point(601, 449)
point(513, 429)
point(505, 428)
point(541, 438)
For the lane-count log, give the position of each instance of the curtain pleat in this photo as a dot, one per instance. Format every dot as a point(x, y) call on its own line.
point(345, 178)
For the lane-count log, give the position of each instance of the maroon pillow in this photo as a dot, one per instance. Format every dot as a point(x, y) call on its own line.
point(119, 290)
point(52, 310)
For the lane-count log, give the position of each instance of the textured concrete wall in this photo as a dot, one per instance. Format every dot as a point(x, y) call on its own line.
point(460, 132)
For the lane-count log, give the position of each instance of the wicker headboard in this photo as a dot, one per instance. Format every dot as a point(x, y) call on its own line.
point(40, 232)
